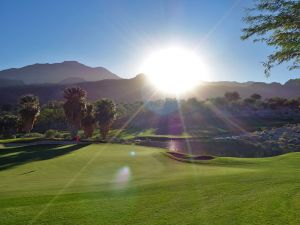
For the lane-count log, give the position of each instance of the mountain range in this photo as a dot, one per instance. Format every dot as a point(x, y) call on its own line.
point(138, 89)
point(65, 72)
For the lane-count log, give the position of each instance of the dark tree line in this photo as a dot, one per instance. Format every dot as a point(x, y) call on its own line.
point(76, 113)
point(81, 114)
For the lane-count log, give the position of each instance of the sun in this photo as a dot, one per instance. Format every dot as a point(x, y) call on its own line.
point(174, 69)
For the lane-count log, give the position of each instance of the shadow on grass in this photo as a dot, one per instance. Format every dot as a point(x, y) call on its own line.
point(21, 155)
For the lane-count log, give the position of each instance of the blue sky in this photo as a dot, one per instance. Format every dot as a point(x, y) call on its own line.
point(120, 34)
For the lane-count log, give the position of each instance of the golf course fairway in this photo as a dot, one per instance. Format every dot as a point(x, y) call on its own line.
point(127, 184)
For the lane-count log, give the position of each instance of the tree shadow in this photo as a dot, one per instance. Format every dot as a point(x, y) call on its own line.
point(21, 155)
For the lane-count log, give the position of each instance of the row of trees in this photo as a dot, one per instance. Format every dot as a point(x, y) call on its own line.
point(29, 109)
point(78, 112)
point(256, 101)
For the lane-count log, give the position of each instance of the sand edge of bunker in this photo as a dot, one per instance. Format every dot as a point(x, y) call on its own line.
point(188, 158)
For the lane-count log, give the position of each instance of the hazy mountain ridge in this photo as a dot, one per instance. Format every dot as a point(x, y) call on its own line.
point(8, 82)
point(57, 72)
point(138, 89)
point(293, 83)
point(72, 80)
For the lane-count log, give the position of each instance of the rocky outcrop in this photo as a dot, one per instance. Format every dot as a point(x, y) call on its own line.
point(286, 137)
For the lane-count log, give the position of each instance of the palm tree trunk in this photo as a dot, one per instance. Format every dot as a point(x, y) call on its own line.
point(104, 130)
point(73, 131)
point(88, 131)
point(28, 124)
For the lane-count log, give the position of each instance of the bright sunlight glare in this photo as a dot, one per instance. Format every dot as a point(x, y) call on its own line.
point(174, 70)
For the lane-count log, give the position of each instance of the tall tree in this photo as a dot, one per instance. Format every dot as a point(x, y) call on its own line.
point(29, 109)
point(255, 97)
point(88, 122)
point(8, 125)
point(74, 107)
point(232, 96)
point(277, 23)
point(105, 110)
point(52, 116)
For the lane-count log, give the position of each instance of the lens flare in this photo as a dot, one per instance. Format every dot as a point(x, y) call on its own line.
point(122, 177)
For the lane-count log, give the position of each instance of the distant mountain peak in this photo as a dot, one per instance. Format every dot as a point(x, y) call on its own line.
point(71, 62)
point(293, 82)
point(56, 72)
point(140, 76)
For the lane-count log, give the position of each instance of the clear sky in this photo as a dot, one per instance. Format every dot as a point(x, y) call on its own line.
point(119, 34)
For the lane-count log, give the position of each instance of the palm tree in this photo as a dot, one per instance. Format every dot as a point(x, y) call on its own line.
point(74, 107)
point(88, 122)
point(105, 115)
point(29, 109)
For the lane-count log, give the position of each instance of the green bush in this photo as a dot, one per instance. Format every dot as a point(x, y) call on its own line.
point(66, 136)
point(33, 135)
point(8, 125)
point(58, 135)
point(96, 137)
point(51, 133)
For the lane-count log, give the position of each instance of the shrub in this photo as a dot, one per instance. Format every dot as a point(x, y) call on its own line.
point(97, 137)
point(8, 125)
point(59, 135)
point(33, 135)
point(51, 133)
point(66, 136)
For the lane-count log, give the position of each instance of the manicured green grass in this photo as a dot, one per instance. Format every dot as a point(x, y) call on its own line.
point(109, 184)
point(127, 134)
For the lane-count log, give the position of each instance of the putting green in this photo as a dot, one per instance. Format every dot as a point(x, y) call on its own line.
point(123, 184)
